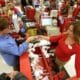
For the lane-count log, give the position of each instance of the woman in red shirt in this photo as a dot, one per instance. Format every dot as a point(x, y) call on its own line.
point(68, 44)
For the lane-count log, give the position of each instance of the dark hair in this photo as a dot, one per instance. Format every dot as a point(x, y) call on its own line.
point(4, 23)
point(4, 76)
point(20, 76)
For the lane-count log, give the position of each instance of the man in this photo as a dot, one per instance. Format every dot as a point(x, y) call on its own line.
point(23, 4)
point(8, 47)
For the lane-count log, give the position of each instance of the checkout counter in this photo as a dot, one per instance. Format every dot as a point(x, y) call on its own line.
point(43, 70)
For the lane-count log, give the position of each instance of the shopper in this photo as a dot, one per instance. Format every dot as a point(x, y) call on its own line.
point(23, 4)
point(76, 10)
point(2, 2)
point(68, 44)
point(12, 9)
point(8, 47)
point(15, 75)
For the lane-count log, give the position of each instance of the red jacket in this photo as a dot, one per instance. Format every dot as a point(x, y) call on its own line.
point(77, 61)
point(30, 13)
point(2, 2)
point(76, 11)
point(63, 52)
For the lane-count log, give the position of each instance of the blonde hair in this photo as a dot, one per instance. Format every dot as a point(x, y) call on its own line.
point(76, 31)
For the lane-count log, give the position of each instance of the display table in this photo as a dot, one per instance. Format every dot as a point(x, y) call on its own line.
point(27, 70)
point(25, 66)
point(38, 62)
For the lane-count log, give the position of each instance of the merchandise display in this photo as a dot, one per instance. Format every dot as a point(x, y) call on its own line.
point(36, 19)
point(46, 21)
point(41, 61)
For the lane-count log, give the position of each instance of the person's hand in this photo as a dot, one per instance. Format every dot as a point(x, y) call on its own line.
point(43, 37)
point(40, 36)
point(31, 38)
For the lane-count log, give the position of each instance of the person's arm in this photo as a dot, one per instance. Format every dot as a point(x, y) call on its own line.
point(44, 37)
point(12, 48)
point(52, 38)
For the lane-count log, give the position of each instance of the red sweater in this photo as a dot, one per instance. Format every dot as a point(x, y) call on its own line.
point(77, 60)
point(63, 53)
